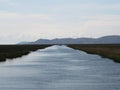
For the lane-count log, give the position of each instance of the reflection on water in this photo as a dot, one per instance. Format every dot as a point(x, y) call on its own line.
point(60, 68)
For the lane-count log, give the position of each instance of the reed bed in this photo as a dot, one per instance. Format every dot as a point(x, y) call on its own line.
point(14, 51)
point(111, 51)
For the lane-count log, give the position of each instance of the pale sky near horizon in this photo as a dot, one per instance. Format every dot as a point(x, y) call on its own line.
point(29, 20)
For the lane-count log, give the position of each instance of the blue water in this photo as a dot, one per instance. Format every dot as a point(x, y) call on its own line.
point(59, 68)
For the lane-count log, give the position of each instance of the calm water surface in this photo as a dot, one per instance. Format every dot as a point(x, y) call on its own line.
point(60, 68)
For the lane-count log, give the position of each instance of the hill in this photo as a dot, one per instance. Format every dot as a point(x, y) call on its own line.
point(115, 39)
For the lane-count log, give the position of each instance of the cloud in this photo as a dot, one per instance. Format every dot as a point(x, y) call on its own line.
point(82, 7)
point(29, 27)
point(4, 0)
point(12, 15)
point(9, 2)
point(102, 20)
point(24, 26)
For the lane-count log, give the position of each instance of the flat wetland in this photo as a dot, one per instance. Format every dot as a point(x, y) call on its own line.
point(14, 51)
point(111, 51)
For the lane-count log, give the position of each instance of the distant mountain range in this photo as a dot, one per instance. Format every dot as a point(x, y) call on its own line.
point(115, 39)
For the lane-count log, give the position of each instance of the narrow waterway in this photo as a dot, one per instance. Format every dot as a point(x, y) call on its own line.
point(60, 68)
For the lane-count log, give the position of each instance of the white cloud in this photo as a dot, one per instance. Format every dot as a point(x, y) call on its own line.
point(86, 7)
point(26, 26)
point(9, 2)
point(15, 27)
point(10, 15)
point(4, 0)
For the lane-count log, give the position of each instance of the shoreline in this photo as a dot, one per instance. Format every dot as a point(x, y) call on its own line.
point(111, 51)
point(15, 51)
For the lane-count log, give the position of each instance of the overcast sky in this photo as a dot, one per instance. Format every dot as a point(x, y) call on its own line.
point(29, 20)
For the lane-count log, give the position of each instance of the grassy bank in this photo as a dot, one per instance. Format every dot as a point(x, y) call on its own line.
point(111, 51)
point(14, 51)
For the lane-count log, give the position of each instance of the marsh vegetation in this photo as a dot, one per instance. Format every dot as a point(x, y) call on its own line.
point(111, 51)
point(14, 51)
